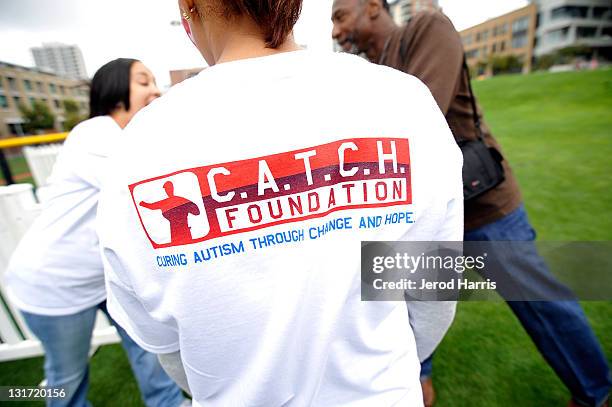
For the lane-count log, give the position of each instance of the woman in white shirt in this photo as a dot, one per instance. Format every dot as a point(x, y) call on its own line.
point(242, 198)
point(55, 276)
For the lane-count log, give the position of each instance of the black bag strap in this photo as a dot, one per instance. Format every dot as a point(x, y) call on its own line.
point(473, 101)
point(404, 50)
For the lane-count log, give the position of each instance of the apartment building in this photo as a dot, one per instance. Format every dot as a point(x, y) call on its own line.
point(569, 23)
point(23, 85)
point(60, 59)
point(513, 33)
point(402, 10)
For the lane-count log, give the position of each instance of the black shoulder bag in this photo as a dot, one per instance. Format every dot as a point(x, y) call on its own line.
point(482, 168)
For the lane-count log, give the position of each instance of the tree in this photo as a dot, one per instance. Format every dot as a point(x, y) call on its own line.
point(506, 64)
point(37, 118)
point(71, 108)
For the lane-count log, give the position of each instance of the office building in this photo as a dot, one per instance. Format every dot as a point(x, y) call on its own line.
point(60, 59)
point(402, 10)
point(510, 34)
point(23, 85)
point(542, 28)
point(575, 23)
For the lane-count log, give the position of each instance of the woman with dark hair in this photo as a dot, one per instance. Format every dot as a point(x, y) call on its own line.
point(56, 276)
point(232, 218)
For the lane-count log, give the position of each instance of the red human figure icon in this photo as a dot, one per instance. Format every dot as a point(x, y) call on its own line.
point(176, 210)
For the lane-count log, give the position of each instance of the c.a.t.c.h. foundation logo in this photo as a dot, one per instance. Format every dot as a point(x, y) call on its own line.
point(171, 209)
point(218, 200)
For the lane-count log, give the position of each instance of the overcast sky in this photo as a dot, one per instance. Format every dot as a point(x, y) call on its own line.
point(141, 29)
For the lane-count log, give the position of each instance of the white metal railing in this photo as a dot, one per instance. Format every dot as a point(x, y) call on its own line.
point(41, 159)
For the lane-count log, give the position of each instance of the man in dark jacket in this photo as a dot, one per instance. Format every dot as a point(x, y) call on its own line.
point(430, 48)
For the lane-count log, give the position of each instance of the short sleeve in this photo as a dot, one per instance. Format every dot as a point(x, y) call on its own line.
point(130, 313)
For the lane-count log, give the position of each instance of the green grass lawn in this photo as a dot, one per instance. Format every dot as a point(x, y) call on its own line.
point(19, 170)
point(555, 130)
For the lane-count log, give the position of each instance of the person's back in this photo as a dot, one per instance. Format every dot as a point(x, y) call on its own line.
point(264, 302)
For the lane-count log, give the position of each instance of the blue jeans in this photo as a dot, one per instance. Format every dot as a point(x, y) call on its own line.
point(559, 329)
point(66, 341)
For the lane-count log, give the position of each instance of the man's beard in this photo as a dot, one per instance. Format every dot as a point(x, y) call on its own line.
point(353, 48)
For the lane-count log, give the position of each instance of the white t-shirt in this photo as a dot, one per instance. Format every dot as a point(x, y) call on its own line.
point(56, 268)
point(232, 221)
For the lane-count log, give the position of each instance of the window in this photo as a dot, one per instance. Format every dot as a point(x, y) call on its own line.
point(12, 83)
point(15, 129)
point(477, 37)
point(52, 88)
point(599, 13)
point(3, 102)
point(39, 85)
point(62, 89)
point(558, 35)
point(467, 40)
point(519, 32)
point(494, 49)
point(569, 12)
point(16, 101)
point(500, 29)
point(472, 54)
point(57, 104)
point(520, 25)
point(485, 35)
point(519, 41)
point(586, 32)
point(502, 46)
point(32, 100)
point(1, 83)
point(607, 32)
point(27, 84)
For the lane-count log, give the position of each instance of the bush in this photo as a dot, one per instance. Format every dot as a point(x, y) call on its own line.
point(544, 62)
point(505, 64)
